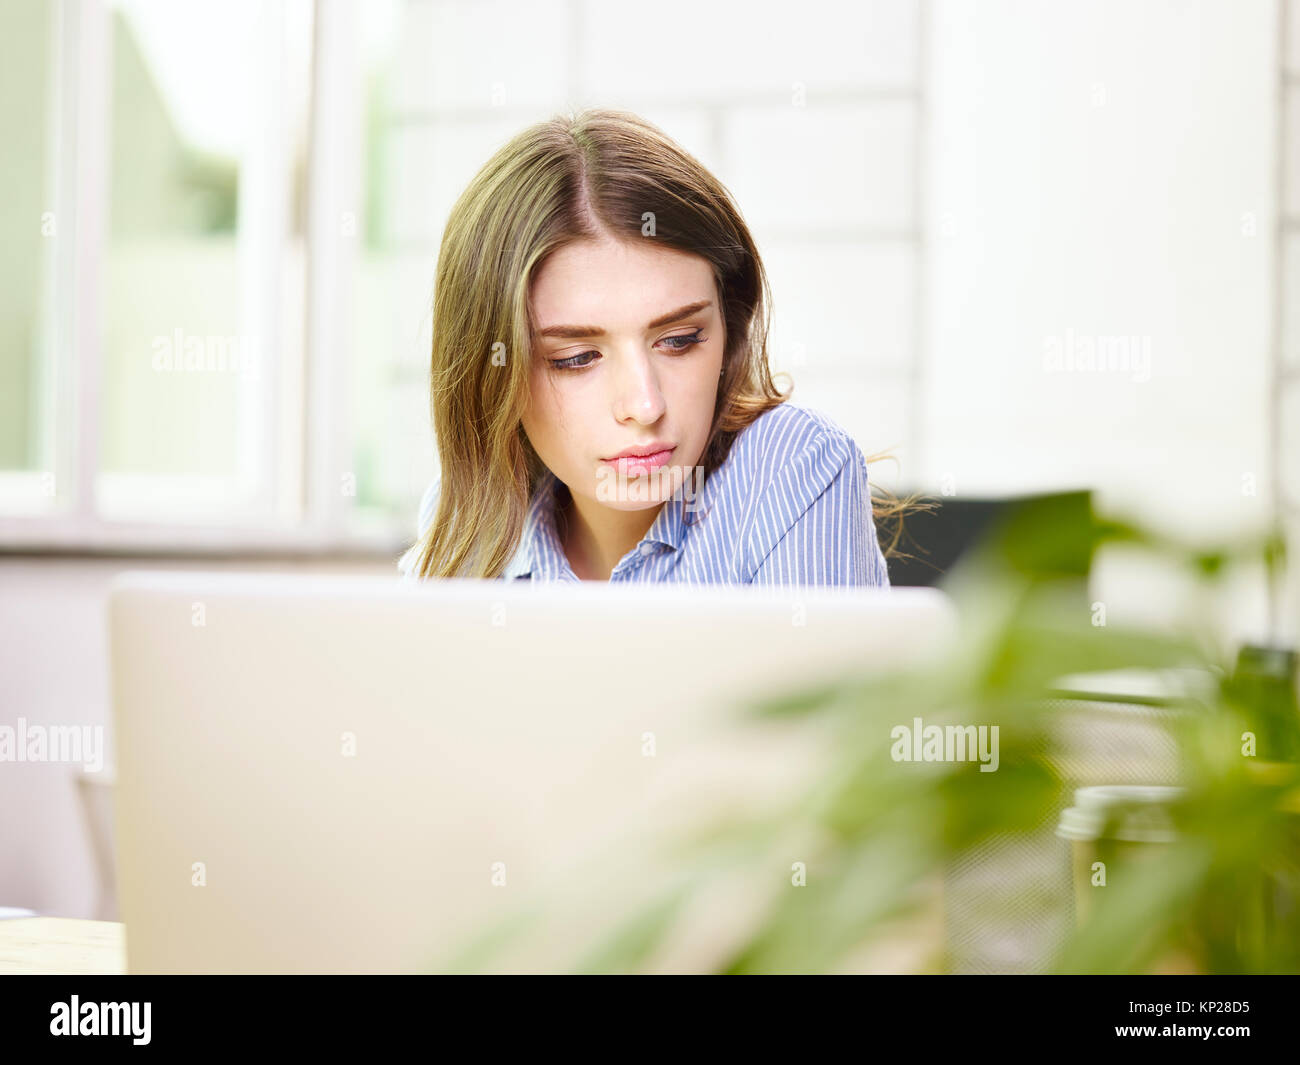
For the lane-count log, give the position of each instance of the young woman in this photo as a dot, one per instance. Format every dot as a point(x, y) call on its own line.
point(601, 395)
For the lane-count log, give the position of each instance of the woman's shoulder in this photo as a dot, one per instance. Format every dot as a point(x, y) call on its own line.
point(424, 518)
point(792, 462)
point(428, 505)
point(789, 437)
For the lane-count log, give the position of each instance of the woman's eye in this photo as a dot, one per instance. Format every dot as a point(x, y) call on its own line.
point(688, 339)
point(572, 363)
point(675, 343)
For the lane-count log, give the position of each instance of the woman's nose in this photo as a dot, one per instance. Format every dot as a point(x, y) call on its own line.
point(637, 389)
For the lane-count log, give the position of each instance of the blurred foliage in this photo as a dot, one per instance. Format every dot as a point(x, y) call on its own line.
point(1223, 896)
point(208, 186)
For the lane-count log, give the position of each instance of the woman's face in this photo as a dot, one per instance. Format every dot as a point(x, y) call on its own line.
point(628, 342)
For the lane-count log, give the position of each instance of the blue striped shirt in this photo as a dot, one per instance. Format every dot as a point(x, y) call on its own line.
point(788, 506)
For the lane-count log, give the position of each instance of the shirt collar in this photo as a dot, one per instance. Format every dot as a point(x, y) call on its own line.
point(541, 556)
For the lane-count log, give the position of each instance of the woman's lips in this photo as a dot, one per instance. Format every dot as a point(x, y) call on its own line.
point(632, 465)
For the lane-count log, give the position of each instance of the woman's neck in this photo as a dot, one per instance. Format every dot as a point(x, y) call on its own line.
point(595, 537)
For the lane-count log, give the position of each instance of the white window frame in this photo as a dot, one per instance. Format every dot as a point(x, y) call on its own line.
point(299, 434)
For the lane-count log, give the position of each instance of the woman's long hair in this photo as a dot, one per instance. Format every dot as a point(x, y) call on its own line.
point(572, 177)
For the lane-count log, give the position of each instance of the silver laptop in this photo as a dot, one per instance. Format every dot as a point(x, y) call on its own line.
point(353, 774)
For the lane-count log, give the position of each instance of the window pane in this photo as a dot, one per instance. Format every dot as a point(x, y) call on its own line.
point(392, 282)
point(205, 98)
point(28, 230)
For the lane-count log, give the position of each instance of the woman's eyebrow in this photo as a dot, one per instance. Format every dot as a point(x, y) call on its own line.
point(579, 332)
